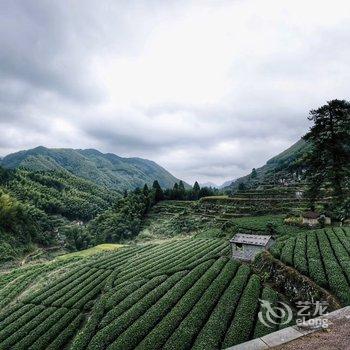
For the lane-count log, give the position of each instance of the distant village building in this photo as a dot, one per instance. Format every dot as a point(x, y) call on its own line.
point(298, 194)
point(245, 246)
point(312, 218)
point(77, 223)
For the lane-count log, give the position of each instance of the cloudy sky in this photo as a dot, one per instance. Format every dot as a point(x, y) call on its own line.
point(208, 89)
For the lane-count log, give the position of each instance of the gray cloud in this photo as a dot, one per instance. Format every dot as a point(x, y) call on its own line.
point(44, 46)
point(208, 90)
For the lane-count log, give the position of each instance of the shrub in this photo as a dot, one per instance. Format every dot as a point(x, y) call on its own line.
point(260, 328)
point(13, 313)
point(300, 256)
point(131, 300)
point(52, 333)
point(243, 322)
point(190, 326)
point(213, 332)
point(55, 290)
point(336, 279)
point(87, 292)
point(68, 333)
point(39, 330)
point(83, 338)
point(316, 270)
point(18, 323)
point(288, 251)
point(110, 332)
point(184, 297)
point(72, 289)
point(18, 331)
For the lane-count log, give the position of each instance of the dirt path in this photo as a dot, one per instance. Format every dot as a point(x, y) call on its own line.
point(336, 337)
point(30, 255)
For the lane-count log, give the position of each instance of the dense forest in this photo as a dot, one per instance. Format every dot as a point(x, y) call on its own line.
point(35, 204)
point(57, 208)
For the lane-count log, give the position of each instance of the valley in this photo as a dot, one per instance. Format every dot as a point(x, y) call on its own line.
point(174, 175)
point(181, 292)
point(175, 285)
point(153, 264)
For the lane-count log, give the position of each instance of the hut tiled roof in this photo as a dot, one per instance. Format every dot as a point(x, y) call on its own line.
point(311, 215)
point(251, 239)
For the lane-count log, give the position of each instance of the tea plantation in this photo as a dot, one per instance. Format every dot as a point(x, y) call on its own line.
point(183, 294)
point(323, 255)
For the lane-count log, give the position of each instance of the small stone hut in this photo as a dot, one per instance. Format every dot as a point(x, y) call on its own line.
point(311, 218)
point(245, 246)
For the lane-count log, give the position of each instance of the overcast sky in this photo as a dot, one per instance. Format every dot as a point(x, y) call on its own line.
point(208, 89)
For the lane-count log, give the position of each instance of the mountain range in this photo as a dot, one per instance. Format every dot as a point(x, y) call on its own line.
point(119, 173)
point(104, 169)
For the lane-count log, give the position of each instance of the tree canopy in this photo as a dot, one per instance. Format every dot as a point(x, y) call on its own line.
point(328, 161)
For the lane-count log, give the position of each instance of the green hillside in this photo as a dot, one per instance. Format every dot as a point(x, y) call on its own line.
point(284, 165)
point(108, 170)
point(34, 206)
point(60, 193)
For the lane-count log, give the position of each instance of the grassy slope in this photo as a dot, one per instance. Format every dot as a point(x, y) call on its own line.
point(92, 251)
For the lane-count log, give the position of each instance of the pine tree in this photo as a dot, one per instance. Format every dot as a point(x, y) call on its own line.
point(158, 192)
point(175, 192)
point(182, 191)
point(196, 190)
point(196, 187)
point(242, 186)
point(254, 174)
point(328, 162)
point(145, 190)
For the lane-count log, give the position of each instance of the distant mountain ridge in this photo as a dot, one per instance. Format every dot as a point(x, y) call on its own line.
point(104, 169)
point(208, 184)
point(278, 163)
point(226, 183)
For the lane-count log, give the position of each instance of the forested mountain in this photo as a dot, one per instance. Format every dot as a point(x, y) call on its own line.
point(60, 193)
point(276, 167)
point(55, 208)
point(43, 204)
point(35, 205)
point(108, 170)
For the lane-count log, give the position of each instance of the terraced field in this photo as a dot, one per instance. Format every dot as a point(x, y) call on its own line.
point(15, 282)
point(323, 255)
point(184, 294)
point(171, 218)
